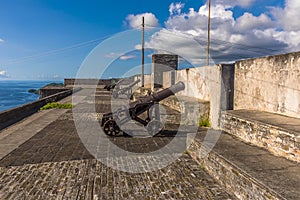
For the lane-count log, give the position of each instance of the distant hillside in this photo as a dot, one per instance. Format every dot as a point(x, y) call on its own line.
point(50, 84)
point(55, 84)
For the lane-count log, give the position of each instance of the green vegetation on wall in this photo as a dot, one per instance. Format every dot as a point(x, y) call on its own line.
point(204, 122)
point(57, 105)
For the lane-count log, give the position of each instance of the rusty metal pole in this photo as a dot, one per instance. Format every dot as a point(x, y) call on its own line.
point(143, 51)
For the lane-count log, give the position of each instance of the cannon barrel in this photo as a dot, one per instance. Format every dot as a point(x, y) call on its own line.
point(163, 94)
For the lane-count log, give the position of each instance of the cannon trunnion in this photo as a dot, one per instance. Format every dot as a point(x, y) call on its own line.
point(111, 122)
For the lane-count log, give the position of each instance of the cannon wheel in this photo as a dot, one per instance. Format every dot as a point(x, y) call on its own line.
point(111, 128)
point(154, 127)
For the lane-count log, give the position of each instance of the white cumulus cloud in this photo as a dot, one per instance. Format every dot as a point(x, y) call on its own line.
point(233, 3)
point(3, 74)
point(176, 42)
point(288, 16)
point(273, 32)
point(127, 57)
point(231, 38)
point(249, 22)
point(175, 8)
point(135, 21)
point(119, 56)
point(112, 55)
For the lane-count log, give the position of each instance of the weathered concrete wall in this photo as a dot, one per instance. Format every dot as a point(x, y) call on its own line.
point(190, 109)
point(204, 83)
point(212, 84)
point(166, 79)
point(14, 115)
point(147, 79)
point(207, 84)
point(269, 84)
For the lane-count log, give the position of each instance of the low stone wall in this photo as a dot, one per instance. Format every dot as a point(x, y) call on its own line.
point(275, 139)
point(230, 177)
point(14, 115)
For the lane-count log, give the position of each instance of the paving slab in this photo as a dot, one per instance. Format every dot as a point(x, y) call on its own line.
point(90, 179)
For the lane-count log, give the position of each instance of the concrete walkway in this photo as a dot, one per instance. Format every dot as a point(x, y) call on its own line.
point(52, 162)
point(15, 135)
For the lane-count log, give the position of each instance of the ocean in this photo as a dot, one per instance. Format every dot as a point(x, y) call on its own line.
point(15, 93)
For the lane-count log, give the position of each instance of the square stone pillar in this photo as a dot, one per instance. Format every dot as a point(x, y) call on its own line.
point(163, 63)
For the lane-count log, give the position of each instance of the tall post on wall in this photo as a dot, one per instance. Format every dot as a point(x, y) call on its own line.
point(143, 51)
point(208, 34)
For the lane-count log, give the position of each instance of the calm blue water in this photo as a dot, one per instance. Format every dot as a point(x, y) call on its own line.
point(15, 93)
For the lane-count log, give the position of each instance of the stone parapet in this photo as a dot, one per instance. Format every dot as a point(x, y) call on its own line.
point(14, 115)
point(244, 170)
point(269, 84)
point(276, 133)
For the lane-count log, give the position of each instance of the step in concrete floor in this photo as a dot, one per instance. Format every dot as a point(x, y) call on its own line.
point(247, 171)
point(277, 133)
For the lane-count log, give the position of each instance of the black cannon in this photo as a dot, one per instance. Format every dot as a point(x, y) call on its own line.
point(109, 87)
point(127, 90)
point(111, 121)
point(112, 85)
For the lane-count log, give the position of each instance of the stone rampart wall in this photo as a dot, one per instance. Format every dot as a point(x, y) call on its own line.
point(269, 84)
point(14, 115)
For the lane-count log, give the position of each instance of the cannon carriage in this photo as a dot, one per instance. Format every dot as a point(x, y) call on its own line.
point(111, 122)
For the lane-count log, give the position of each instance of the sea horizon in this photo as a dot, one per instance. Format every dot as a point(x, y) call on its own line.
point(14, 93)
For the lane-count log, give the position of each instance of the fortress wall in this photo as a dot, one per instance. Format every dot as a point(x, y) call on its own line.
point(14, 115)
point(210, 83)
point(269, 84)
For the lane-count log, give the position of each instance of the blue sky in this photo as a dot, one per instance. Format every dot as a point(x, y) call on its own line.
point(49, 39)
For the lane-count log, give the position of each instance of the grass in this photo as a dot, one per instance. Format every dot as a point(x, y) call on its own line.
point(56, 105)
point(204, 122)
